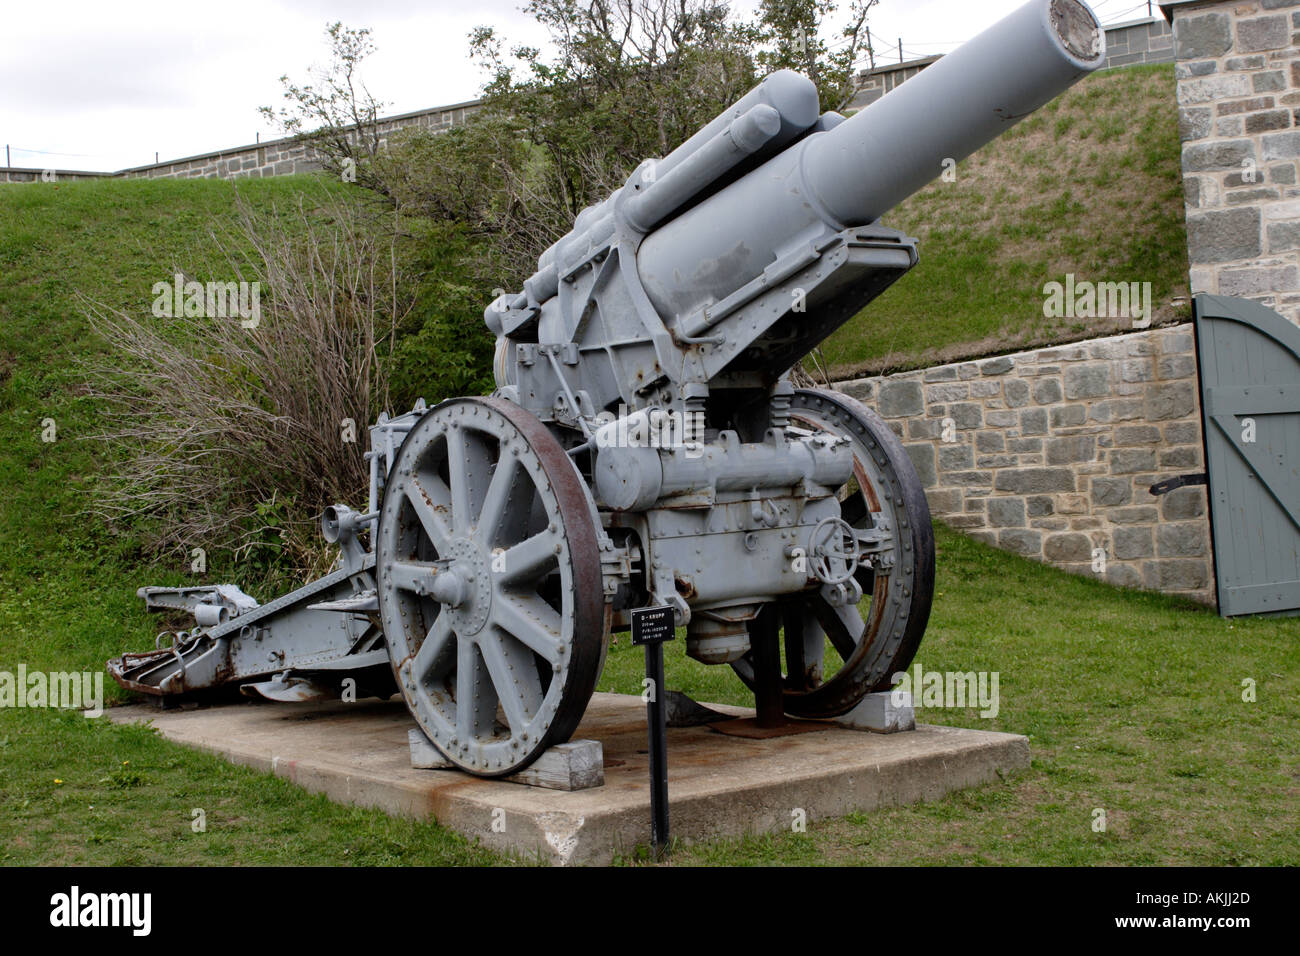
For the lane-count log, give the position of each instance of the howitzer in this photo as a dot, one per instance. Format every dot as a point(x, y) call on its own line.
point(645, 445)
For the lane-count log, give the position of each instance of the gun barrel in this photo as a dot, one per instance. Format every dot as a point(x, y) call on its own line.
point(859, 170)
point(767, 118)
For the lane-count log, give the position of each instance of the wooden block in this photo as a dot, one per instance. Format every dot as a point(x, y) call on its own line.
point(885, 712)
point(577, 765)
point(424, 755)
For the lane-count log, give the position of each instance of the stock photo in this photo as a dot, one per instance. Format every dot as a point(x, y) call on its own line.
point(648, 436)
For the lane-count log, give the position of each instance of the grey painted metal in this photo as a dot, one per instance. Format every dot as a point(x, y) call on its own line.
point(854, 174)
point(386, 436)
point(645, 447)
point(1250, 400)
point(769, 117)
point(490, 585)
point(885, 509)
point(227, 597)
point(763, 258)
point(689, 294)
point(290, 635)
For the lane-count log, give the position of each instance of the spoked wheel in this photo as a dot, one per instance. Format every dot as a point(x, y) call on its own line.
point(834, 656)
point(490, 588)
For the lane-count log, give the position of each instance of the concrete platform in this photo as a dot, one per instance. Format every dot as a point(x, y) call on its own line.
point(718, 785)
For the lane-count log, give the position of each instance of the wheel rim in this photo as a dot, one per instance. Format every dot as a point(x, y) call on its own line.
point(872, 646)
point(490, 589)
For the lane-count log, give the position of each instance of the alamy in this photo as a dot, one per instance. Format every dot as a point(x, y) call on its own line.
point(215, 300)
point(1098, 300)
point(75, 908)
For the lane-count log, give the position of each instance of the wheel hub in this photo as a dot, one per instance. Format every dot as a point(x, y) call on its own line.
point(469, 598)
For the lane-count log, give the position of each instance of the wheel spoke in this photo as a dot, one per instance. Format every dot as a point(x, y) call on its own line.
point(527, 561)
point(431, 501)
point(502, 491)
point(458, 478)
point(475, 700)
point(796, 659)
point(468, 464)
point(415, 576)
point(514, 675)
point(431, 651)
point(814, 649)
point(841, 632)
point(531, 621)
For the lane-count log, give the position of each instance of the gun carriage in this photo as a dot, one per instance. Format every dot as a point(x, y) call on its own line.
point(645, 445)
